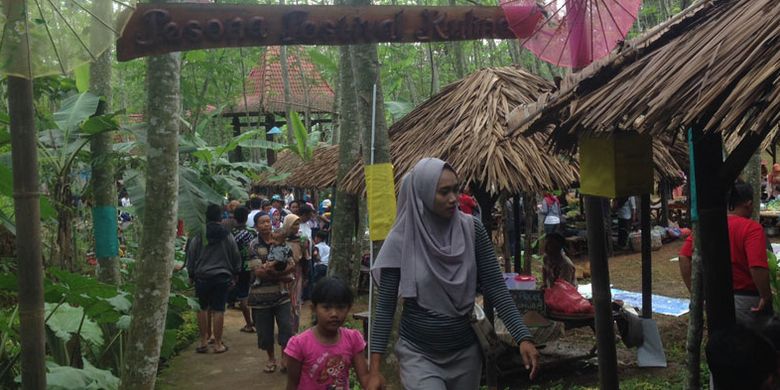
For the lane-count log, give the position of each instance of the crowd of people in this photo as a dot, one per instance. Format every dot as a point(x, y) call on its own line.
point(265, 255)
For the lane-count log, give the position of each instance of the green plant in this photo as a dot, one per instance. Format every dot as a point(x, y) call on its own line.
point(773, 281)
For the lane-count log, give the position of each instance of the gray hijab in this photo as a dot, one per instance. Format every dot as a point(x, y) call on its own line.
point(435, 255)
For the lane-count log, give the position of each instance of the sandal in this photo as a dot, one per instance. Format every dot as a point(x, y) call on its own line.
point(247, 329)
point(223, 350)
point(270, 367)
point(202, 349)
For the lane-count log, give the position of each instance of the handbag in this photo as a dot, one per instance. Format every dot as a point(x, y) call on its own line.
point(488, 340)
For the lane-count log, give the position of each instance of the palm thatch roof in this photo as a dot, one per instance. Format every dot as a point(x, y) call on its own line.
point(714, 66)
point(464, 125)
point(317, 173)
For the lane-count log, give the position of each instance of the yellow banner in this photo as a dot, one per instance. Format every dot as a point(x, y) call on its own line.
point(380, 191)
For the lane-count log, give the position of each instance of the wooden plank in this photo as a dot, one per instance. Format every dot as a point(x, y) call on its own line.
point(155, 29)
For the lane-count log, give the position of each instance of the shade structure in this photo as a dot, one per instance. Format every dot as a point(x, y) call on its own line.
point(46, 37)
point(464, 124)
point(265, 89)
point(713, 66)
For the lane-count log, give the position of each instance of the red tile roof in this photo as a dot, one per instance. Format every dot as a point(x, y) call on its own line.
point(265, 90)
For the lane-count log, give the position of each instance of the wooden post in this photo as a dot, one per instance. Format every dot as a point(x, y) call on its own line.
point(602, 296)
point(520, 266)
point(647, 258)
point(235, 155)
point(270, 120)
point(529, 209)
point(713, 230)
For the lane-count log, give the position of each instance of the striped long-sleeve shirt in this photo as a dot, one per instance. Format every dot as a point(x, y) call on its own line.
point(430, 331)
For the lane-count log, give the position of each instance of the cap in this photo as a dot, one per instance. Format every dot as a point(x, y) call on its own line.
point(276, 197)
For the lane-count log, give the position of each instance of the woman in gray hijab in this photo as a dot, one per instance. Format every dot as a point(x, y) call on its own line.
point(434, 258)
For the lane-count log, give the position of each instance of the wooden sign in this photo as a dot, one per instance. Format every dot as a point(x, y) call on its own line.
point(163, 28)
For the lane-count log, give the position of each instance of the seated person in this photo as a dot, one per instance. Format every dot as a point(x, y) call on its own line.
point(556, 264)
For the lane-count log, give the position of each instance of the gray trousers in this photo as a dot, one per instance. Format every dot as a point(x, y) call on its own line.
point(264, 325)
point(459, 370)
point(746, 317)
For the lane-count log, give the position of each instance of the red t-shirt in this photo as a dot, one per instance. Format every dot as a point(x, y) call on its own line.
point(467, 204)
point(748, 249)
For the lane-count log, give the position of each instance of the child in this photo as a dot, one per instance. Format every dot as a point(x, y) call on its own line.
point(279, 258)
point(320, 357)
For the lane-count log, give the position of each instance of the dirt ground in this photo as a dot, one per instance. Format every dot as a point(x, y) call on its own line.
point(242, 365)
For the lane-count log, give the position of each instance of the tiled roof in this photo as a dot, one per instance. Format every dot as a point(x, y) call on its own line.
point(265, 90)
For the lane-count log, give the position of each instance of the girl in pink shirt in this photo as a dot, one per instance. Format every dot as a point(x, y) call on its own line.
point(320, 358)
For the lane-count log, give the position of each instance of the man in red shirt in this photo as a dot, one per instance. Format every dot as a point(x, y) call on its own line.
point(749, 272)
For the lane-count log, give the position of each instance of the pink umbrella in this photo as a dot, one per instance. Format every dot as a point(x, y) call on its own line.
point(571, 33)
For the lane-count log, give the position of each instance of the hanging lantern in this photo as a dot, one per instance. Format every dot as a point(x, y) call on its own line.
point(616, 165)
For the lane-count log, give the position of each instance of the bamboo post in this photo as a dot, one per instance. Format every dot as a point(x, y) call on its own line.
point(602, 297)
point(663, 188)
point(647, 258)
point(24, 155)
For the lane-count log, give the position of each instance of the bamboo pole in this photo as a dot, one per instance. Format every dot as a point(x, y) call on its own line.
point(24, 154)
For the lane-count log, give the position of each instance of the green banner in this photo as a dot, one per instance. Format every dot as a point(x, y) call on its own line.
point(104, 224)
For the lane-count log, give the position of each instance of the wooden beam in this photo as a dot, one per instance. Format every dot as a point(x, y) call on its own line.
point(155, 29)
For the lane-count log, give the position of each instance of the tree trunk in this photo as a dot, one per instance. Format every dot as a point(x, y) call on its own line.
point(155, 260)
point(24, 156)
point(696, 319)
point(434, 71)
point(752, 175)
point(371, 110)
point(103, 187)
point(344, 260)
point(63, 204)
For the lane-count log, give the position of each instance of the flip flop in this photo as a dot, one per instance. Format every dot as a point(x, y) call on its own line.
point(247, 329)
point(223, 350)
point(202, 349)
point(270, 367)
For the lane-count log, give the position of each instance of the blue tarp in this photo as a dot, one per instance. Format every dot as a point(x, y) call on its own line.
point(661, 304)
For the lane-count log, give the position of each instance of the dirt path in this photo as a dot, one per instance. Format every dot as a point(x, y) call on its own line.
point(240, 367)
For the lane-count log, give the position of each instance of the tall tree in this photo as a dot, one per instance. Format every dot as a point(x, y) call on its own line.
point(103, 187)
point(343, 255)
point(155, 260)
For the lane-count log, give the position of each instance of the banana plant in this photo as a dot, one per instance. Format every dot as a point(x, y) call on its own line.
point(64, 150)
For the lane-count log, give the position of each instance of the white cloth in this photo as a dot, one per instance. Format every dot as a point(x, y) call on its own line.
point(627, 210)
point(552, 220)
point(324, 253)
point(250, 220)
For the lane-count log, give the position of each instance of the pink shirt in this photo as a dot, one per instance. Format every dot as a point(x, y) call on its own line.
point(324, 366)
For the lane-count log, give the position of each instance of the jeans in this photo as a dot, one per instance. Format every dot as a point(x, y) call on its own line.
point(264, 323)
point(320, 270)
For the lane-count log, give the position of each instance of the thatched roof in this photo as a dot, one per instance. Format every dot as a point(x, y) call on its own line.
point(265, 89)
point(715, 65)
point(464, 125)
point(317, 173)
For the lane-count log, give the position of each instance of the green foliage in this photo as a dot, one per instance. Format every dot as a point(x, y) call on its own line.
point(69, 378)
point(773, 279)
